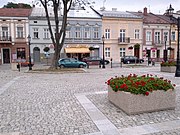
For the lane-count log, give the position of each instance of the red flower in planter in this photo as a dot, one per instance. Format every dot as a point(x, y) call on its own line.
point(146, 93)
point(150, 90)
point(143, 83)
point(123, 86)
point(139, 84)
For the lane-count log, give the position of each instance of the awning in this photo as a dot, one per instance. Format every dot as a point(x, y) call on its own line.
point(77, 50)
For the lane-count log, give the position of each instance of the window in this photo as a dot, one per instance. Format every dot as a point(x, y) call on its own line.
point(36, 33)
point(5, 32)
point(21, 53)
point(157, 37)
point(86, 32)
point(46, 33)
point(173, 37)
point(96, 32)
point(165, 36)
point(78, 32)
point(19, 32)
point(148, 36)
point(122, 52)
point(137, 34)
point(107, 52)
point(68, 32)
point(107, 33)
point(122, 35)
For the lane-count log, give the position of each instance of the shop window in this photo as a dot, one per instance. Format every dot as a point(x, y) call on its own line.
point(21, 53)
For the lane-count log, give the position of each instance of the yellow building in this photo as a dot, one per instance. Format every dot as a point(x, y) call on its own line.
point(123, 34)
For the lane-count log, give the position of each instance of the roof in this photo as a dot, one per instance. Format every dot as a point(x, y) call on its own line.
point(40, 12)
point(83, 12)
point(151, 18)
point(169, 19)
point(15, 12)
point(118, 14)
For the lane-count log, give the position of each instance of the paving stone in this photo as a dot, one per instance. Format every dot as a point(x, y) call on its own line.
point(46, 103)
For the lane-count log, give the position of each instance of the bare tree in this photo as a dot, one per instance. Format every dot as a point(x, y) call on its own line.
point(59, 36)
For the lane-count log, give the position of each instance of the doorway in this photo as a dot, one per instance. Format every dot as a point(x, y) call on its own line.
point(136, 50)
point(36, 54)
point(6, 55)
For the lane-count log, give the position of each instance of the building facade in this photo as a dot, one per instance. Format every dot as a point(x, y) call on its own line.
point(83, 32)
point(123, 34)
point(158, 36)
point(84, 26)
point(40, 35)
point(14, 29)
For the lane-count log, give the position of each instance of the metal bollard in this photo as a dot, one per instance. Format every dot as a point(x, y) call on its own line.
point(18, 67)
point(111, 62)
point(121, 64)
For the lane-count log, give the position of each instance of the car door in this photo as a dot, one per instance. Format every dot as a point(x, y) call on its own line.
point(131, 59)
point(66, 63)
point(74, 63)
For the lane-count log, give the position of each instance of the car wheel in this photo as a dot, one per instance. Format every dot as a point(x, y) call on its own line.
point(81, 66)
point(140, 61)
point(61, 66)
point(128, 62)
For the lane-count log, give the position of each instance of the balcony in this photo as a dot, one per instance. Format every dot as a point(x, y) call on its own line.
point(123, 40)
point(6, 39)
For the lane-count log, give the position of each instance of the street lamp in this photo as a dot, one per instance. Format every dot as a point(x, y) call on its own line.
point(177, 74)
point(103, 38)
point(165, 50)
point(30, 64)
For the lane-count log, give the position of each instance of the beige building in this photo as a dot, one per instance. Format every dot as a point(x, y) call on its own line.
point(14, 30)
point(159, 36)
point(123, 34)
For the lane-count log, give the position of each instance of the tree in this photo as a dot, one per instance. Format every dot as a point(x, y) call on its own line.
point(59, 36)
point(60, 32)
point(15, 5)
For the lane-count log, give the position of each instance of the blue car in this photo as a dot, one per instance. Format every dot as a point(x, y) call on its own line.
point(71, 63)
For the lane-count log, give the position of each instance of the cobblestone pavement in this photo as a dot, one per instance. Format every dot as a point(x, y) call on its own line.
point(45, 104)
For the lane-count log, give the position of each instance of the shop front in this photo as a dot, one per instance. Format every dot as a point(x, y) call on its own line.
point(77, 52)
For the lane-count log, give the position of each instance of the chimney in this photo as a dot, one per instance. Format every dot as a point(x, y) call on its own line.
point(114, 9)
point(145, 11)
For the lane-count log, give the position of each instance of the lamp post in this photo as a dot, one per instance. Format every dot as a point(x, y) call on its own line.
point(103, 38)
point(30, 64)
point(165, 50)
point(177, 73)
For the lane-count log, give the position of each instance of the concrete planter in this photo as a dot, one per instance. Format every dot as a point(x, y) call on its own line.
point(170, 69)
point(135, 104)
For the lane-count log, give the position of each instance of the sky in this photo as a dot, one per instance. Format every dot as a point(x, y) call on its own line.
point(154, 6)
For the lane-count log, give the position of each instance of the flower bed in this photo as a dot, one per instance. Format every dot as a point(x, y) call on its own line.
point(168, 63)
point(169, 66)
point(169, 69)
point(141, 94)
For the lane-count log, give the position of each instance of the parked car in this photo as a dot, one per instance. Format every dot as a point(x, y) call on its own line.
point(95, 60)
point(131, 59)
point(71, 63)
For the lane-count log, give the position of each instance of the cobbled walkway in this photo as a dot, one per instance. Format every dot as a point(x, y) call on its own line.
point(52, 104)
